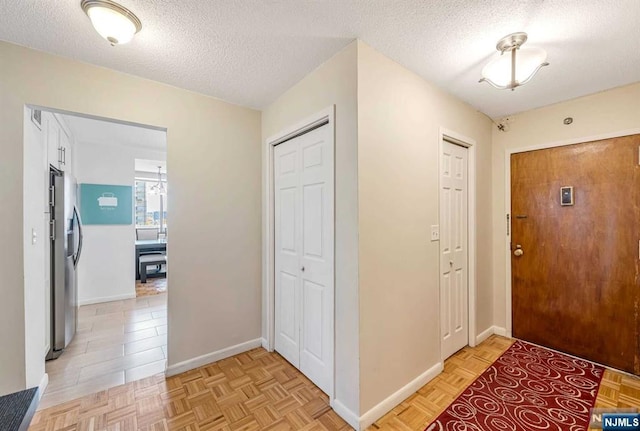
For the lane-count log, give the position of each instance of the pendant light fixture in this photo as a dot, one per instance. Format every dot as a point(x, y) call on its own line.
point(159, 188)
point(516, 65)
point(115, 23)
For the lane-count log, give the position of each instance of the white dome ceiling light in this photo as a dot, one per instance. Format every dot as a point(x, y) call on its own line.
point(115, 23)
point(511, 71)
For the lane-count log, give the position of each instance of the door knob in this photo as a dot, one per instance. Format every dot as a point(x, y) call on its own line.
point(518, 251)
point(302, 269)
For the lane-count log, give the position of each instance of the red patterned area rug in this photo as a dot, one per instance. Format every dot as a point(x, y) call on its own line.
point(527, 388)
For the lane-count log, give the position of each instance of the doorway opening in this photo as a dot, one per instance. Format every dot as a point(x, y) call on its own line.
point(457, 241)
point(79, 189)
point(151, 193)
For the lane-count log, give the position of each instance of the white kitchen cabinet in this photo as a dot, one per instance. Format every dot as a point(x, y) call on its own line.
point(53, 138)
point(65, 149)
point(58, 143)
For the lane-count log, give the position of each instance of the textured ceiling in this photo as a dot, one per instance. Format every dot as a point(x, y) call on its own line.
point(250, 51)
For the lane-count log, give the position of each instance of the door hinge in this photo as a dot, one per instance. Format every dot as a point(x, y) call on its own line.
point(508, 217)
point(52, 197)
point(52, 230)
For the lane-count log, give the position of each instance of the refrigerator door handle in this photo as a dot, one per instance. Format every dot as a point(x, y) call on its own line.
point(77, 217)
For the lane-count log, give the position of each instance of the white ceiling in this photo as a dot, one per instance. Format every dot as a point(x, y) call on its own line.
point(250, 51)
point(102, 132)
point(150, 166)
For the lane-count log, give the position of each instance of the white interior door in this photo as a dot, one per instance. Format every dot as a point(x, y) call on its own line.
point(304, 244)
point(454, 292)
point(287, 246)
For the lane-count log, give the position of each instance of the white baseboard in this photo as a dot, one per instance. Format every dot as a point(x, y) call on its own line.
point(265, 344)
point(43, 385)
point(107, 299)
point(199, 361)
point(349, 416)
point(400, 395)
point(498, 330)
point(485, 334)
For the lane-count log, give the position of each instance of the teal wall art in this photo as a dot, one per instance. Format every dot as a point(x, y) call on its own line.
point(105, 204)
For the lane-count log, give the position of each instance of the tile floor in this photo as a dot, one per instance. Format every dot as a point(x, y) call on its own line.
point(116, 342)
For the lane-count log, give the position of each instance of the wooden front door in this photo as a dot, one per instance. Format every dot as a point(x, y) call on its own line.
point(575, 287)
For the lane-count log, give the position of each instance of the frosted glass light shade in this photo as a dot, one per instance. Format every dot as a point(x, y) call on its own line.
point(112, 21)
point(528, 61)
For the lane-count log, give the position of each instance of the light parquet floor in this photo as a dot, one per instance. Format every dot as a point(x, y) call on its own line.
point(256, 390)
point(460, 370)
point(153, 286)
point(259, 390)
point(416, 412)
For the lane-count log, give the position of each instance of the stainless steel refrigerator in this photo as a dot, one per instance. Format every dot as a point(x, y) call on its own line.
point(66, 245)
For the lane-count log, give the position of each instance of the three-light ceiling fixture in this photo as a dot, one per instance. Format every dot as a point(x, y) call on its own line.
point(516, 65)
point(159, 187)
point(115, 23)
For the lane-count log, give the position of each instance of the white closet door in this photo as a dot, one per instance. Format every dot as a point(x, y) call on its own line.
point(304, 239)
point(454, 298)
point(287, 250)
point(316, 355)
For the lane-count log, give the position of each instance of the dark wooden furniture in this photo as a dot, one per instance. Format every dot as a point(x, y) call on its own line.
point(147, 247)
point(148, 260)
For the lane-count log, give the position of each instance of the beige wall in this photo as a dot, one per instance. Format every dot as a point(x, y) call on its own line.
point(334, 83)
point(399, 118)
point(598, 114)
point(214, 170)
point(387, 129)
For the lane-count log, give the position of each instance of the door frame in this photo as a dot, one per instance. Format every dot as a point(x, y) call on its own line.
point(470, 145)
point(507, 200)
point(327, 115)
